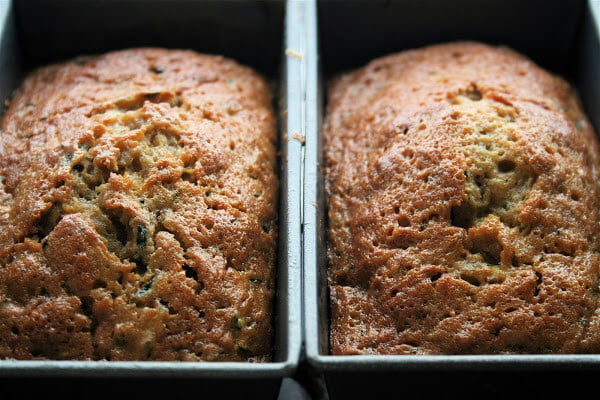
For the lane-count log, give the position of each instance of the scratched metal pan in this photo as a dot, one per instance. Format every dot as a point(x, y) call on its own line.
point(562, 36)
point(255, 33)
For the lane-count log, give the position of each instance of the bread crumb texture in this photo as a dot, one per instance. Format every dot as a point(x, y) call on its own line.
point(463, 218)
point(138, 210)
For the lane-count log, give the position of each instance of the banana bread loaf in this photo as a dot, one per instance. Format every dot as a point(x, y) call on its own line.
point(463, 207)
point(138, 210)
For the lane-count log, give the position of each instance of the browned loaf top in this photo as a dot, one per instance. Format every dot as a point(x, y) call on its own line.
point(138, 210)
point(463, 198)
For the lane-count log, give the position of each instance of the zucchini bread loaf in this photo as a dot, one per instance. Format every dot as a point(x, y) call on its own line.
point(138, 210)
point(463, 195)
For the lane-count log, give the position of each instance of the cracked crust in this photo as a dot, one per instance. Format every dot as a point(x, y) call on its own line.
point(138, 210)
point(463, 196)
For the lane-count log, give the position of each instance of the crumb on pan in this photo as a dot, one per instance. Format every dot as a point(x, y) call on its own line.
point(293, 53)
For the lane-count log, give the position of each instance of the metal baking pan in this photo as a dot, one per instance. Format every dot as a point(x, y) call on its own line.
point(255, 33)
point(562, 36)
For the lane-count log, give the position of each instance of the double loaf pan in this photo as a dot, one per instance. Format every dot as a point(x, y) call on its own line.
point(299, 45)
point(560, 36)
point(35, 33)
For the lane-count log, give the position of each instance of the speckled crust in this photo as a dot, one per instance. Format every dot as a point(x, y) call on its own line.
point(463, 197)
point(138, 210)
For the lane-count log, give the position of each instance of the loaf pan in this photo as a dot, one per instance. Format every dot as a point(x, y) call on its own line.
point(255, 33)
point(561, 36)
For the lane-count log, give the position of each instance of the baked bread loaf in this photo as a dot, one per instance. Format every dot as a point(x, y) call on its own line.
point(463, 207)
point(138, 210)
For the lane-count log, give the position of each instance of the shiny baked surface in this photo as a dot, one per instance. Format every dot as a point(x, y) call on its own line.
point(138, 210)
point(462, 186)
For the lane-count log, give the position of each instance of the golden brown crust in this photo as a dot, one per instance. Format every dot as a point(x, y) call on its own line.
point(138, 210)
point(462, 185)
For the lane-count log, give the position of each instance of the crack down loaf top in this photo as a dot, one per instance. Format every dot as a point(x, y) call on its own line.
point(138, 210)
point(463, 207)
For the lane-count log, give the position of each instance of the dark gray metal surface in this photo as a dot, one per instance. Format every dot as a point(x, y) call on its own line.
point(10, 62)
point(562, 36)
point(256, 33)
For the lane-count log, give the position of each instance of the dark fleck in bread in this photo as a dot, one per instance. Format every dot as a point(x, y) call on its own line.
point(463, 197)
point(138, 210)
